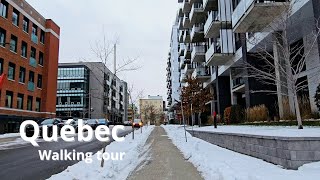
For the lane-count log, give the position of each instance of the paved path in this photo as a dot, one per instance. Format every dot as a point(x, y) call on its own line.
point(165, 161)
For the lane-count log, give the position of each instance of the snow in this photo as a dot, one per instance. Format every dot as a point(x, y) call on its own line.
point(218, 163)
point(115, 170)
point(281, 131)
point(9, 135)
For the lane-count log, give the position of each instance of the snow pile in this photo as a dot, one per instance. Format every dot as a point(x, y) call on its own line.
point(116, 170)
point(282, 131)
point(9, 135)
point(221, 164)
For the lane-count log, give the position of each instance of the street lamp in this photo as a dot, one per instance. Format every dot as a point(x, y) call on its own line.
point(184, 124)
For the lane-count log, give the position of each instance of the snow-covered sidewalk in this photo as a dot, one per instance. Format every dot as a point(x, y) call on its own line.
point(282, 131)
point(222, 164)
point(116, 170)
point(9, 135)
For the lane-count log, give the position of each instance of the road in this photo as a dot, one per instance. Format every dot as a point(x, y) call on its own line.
point(24, 163)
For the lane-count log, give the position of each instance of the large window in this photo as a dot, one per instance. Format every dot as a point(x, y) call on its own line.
point(3, 8)
point(31, 76)
point(25, 25)
point(13, 43)
point(15, 17)
point(11, 71)
point(38, 104)
point(29, 103)
point(22, 75)
point(42, 34)
point(34, 30)
point(39, 82)
point(9, 99)
point(2, 37)
point(20, 101)
point(33, 52)
point(24, 48)
point(41, 58)
point(1, 66)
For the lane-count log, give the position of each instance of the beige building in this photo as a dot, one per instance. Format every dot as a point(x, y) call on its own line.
point(151, 110)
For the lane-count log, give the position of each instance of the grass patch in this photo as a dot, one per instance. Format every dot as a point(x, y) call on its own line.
point(282, 123)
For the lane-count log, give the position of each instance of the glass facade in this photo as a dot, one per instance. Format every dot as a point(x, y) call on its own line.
point(73, 92)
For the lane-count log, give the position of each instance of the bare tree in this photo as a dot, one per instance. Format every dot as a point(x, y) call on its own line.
point(283, 67)
point(134, 97)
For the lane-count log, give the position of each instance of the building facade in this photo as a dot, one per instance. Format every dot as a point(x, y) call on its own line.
point(151, 109)
point(91, 90)
point(218, 36)
point(29, 49)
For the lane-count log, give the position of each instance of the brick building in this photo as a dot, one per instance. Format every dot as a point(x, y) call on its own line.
point(29, 49)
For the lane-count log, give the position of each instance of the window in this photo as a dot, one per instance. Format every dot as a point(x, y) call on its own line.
point(38, 104)
point(13, 43)
point(25, 25)
point(1, 66)
point(31, 76)
point(24, 48)
point(42, 34)
point(40, 58)
point(20, 101)
point(29, 103)
point(22, 75)
point(15, 17)
point(3, 8)
point(35, 30)
point(39, 82)
point(33, 52)
point(11, 71)
point(2, 37)
point(9, 99)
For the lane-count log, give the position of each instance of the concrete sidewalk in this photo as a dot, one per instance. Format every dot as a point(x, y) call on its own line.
point(165, 161)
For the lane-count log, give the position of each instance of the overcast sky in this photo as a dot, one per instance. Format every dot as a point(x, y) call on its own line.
point(143, 28)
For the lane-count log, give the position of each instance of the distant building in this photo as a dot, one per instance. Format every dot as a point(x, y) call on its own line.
point(131, 113)
point(29, 51)
point(86, 90)
point(151, 109)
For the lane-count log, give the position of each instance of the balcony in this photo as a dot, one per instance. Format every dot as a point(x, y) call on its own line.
point(215, 56)
point(197, 14)
point(201, 73)
point(244, 17)
point(187, 52)
point(198, 53)
point(31, 86)
point(186, 6)
point(180, 23)
point(212, 25)
point(182, 63)
point(237, 82)
point(188, 69)
point(197, 33)
point(34, 38)
point(181, 50)
point(186, 22)
point(186, 37)
point(210, 5)
point(33, 62)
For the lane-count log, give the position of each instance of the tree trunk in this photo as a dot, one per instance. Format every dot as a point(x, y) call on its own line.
point(298, 114)
point(199, 119)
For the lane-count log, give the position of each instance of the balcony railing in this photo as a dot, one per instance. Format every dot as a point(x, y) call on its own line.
point(31, 86)
point(34, 38)
point(33, 62)
point(197, 28)
point(196, 7)
point(237, 82)
point(212, 18)
point(201, 72)
point(198, 50)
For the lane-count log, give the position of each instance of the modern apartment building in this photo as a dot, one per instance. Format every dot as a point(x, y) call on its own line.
point(151, 109)
point(29, 49)
point(218, 36)
point(91, 90)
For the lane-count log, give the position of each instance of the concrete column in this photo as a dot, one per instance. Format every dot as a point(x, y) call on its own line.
point(280, 62)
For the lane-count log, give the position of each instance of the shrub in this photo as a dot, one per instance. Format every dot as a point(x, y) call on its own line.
point(257, 114)
point(236, 114)
point(227, 113)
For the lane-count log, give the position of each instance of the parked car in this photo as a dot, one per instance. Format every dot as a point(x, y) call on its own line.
point(93, 123)
point(137, 123)
point(50, 123)
point(127, 123)
point(103, 122)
